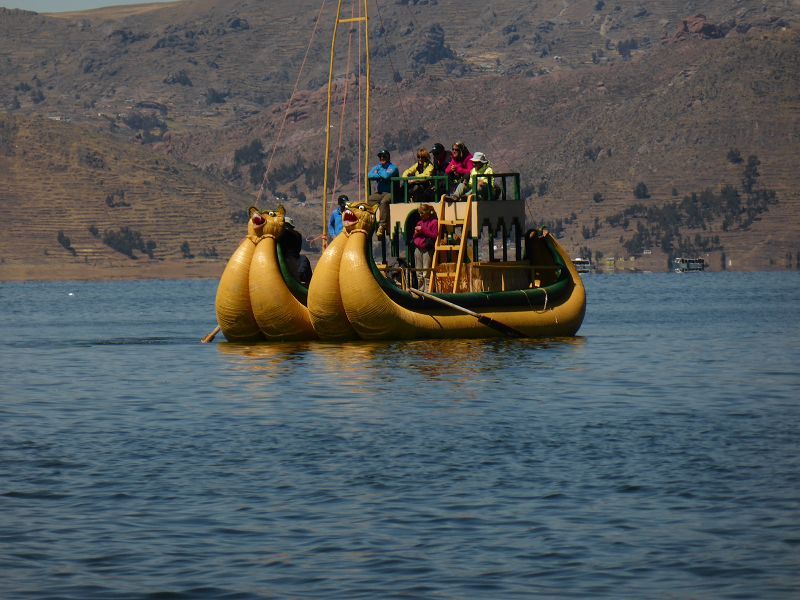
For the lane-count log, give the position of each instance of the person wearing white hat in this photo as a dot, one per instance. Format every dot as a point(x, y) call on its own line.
point(482, 172)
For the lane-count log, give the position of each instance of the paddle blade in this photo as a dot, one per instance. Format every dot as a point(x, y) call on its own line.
point(497, 326)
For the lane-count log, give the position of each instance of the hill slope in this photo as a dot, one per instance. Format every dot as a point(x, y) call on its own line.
point(587, 99)
point(68, 190)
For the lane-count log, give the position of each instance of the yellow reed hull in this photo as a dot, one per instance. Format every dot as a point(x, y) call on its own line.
point(280, 316)
point(232, 304)
point(324, 298)
point(253, 302)
point(375, 316)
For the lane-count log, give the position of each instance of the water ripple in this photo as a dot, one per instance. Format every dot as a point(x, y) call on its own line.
point(651, 456)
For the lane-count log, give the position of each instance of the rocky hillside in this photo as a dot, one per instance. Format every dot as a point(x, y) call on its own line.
point(641, 131)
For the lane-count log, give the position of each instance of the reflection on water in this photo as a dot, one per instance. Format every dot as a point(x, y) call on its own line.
point(269, 355)
point(354, 364)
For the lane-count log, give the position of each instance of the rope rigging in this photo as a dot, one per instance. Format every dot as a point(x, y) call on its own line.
point(358, 20)
point(278, 137)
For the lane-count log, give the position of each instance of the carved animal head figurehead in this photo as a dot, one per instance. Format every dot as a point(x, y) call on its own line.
point(359, 216)
point(267, 222)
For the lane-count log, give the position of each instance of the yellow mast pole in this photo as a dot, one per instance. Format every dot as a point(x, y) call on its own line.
point(328, 114)
point(328, 132)
point(366, 117)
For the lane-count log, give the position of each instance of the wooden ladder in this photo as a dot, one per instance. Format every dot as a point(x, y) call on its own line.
point(442, 246)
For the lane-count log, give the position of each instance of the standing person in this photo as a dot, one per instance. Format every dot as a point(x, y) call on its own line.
point(335, 222)
point(460, 165)
point(382, 173)
point(424, 240)
point(481, 172)
point(419, 191)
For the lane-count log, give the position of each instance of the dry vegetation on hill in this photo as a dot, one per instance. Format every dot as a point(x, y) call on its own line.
point(139, 132)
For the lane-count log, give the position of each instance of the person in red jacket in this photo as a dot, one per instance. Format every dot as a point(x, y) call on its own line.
point(460, 165)
point(424, 240)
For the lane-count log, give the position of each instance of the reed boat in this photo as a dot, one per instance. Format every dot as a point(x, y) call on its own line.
point(688, 265)
point(582, 265)
point(537, 293)
point(540, 296)
point(258, 298)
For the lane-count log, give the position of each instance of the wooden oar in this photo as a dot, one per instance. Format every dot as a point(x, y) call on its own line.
point(488, 321)
point(210, 337)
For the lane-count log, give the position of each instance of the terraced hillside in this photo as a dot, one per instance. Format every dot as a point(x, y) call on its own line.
point(62, 182)
point(130, 116)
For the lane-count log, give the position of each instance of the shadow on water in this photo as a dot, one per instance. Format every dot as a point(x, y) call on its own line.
point(54, 344)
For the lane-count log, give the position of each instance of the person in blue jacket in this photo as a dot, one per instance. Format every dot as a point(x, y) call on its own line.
point(335, 222)
point(382, 174)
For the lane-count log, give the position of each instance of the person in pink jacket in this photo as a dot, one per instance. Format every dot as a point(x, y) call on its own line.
point(424, 240)
point(460, 165)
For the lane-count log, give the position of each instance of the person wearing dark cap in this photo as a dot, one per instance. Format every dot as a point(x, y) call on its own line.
point(440, 159)
point(382, 174)
point(335, 222)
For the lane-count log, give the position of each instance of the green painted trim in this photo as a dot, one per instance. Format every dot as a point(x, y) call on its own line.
point(531, 298)
point(299, 291)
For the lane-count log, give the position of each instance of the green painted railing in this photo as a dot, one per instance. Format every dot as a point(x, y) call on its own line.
point(507, 184)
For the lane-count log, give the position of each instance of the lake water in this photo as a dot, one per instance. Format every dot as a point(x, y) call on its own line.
point(657, 455)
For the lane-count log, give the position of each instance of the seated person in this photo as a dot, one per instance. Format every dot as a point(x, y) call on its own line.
point(291, 242)
point(382, 173)
point(440, 159)
point(420, 191)
point(481, 172)
point(460, 165)
point(538, 254)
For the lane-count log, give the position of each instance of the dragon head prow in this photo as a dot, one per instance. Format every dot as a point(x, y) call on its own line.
point(359, 216)
point(265, 222)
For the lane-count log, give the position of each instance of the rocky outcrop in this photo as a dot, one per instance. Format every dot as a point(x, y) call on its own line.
point(433, 48)
point(699, 27)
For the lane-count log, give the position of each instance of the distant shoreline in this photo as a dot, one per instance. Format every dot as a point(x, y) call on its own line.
point(169, 269)
point(109, 271)
point(143, 269)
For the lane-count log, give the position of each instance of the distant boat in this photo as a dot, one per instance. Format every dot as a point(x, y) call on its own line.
point(688, 265)
point(582, 265)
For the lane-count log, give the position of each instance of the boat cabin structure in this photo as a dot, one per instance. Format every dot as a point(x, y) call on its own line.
point(480, 244)
point(582, 265)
